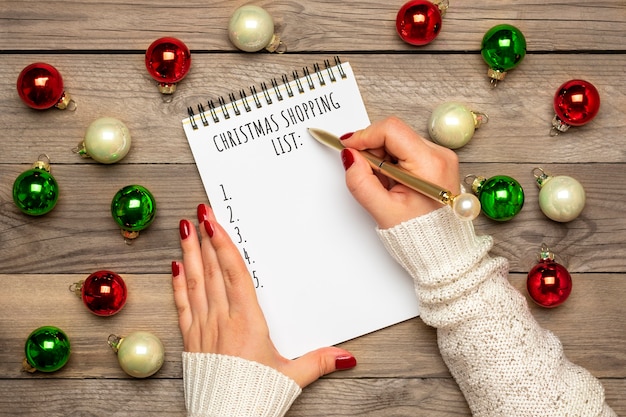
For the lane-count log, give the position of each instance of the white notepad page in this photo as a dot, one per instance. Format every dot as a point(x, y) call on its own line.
point(322, 275)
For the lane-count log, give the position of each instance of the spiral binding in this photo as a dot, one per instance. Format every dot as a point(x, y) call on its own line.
point(253, 98)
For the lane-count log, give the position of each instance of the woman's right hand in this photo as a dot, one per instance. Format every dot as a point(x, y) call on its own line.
point(388, 202)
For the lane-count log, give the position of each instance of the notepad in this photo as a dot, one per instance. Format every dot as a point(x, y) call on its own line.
point(321, 274)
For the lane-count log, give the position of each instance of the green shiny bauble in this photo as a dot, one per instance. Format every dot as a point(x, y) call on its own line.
point(35, 191)
point(501, 197)
point(47, 349)
point(503, 48)
point(133, 208)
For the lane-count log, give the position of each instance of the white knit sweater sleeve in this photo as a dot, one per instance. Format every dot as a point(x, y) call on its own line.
point(504, 362)
point(227, 386)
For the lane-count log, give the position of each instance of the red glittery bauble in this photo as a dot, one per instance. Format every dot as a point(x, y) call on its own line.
point(104, 293)
point(40, 86)
point(418, 22)
point(168, 60)
point(576, 102)
point(549, 283)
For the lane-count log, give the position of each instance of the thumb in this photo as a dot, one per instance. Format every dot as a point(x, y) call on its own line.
point(310, 367)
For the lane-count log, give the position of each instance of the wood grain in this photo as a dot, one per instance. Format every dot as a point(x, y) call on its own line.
point(99, 48)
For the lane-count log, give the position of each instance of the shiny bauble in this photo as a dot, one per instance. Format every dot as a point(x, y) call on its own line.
point(561, 198)
point(466, 206)
point(47, 349)
point(107, 140)
point(168, 61)
point(140, 354)
point(35, 191)
point(576, 103)
point(452, 124)
point(418, 22)
point(40, 86)
point(503, 48)
point(133, 208)
point(103, 292)
point(549, 283)
point(251, 29)
point(501, 197)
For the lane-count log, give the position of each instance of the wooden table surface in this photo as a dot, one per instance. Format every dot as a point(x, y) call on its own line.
point(99, 48)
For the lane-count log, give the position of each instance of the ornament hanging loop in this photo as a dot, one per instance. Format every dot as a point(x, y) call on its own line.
point(77, 288)
point(540, 175)
point(114, 342)
point(66, 103)
point(479, 119)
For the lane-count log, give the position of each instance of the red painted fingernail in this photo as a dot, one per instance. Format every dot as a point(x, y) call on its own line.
point(202, 213)
point(345, 362)
point(175, 269)
point(209, 228)
point(184, 229)
point(346, 135)
point(347, 158)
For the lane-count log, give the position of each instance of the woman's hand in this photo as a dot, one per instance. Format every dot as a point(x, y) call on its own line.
point(390, 203)
point(218, 311)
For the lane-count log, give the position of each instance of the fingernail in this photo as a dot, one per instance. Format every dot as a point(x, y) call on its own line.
point(209, 228)
point(345, 362)
point(346, 135)
point(184, 229)
point(202, 213)
point(175, 269)
point(347, 158)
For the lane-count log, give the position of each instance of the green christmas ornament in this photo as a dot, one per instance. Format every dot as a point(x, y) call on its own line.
point(47, 349)
point(133, 208)
point(501, 197)
point(35, 192)
point(503, 48)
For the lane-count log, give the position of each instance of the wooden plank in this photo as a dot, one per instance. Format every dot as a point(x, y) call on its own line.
point(80, 234)
point(152, 397)
point(304, 26)
point(520, 108)
point(410, 350)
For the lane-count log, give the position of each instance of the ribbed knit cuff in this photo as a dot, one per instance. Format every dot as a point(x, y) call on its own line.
point(437, 249)
point(220, 385)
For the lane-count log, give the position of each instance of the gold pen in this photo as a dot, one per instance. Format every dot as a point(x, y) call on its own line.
point(466, 206)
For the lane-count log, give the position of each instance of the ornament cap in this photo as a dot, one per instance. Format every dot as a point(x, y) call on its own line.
point(479, 119)
point(27, 367)
point(443, 6)
point(43, 163)
point(165, 88)
point(558, 126)
point(545, 254)
point(66, 102)
point(495, 76)
point(476, 182)
point(276, 45)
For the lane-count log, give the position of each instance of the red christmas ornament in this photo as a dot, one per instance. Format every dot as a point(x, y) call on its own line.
point(168, 61)
point(548, 283)
point(419, 21)
point(103, 292)
point(40, 86)
point(576, 103)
